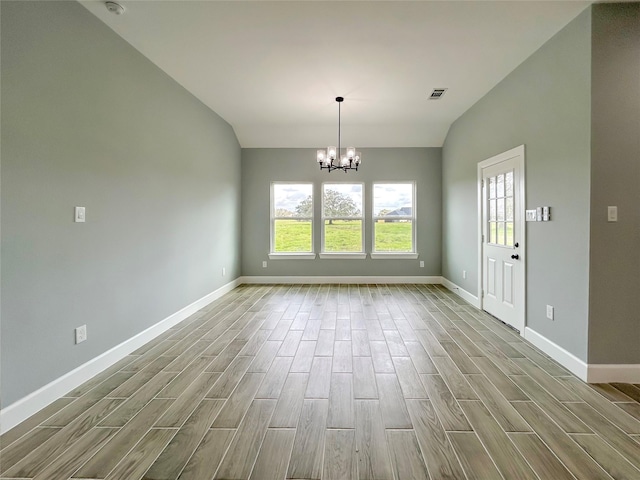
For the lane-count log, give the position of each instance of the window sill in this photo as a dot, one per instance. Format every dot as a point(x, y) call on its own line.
point(343, 256)
point(292, 256)
point(394, 256)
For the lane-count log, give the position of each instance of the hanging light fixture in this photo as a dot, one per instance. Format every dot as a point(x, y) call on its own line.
point(333, 159)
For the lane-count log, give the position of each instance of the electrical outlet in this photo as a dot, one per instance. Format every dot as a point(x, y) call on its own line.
point(224, 271)
point(264, 264)
point(81, 334)
point(464, 274)
point(549, 312)
point(421, 263)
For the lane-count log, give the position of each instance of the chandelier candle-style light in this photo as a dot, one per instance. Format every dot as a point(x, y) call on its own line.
point(329, 158)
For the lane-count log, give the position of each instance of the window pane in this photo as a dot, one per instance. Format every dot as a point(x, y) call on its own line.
point(392, 199)
point(500, 233)
point(342, 200)
point(343, 236)
point(493, 235)
point(510, 234)
point(508, 184)
point(492, 187)
point(500, 190)
point(293, 200)
point(292, 236)
point(501, 209)
point(492, 210)
point(509, 209)
point(393, 236)
point(392, 202)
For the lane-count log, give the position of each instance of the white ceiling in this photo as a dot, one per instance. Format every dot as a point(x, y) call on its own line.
point(273, 69)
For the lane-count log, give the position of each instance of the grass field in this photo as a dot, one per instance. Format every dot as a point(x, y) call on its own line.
point(393, 237)
point(342, 236)
point(292, 236)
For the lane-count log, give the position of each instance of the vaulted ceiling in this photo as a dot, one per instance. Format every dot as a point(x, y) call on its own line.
point(273, 69)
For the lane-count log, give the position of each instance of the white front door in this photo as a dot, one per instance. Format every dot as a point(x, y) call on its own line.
point(502, 227)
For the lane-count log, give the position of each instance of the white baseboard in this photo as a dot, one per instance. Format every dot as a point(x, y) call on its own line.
point(338, 279)
point(601, 373)
point(591, 373)
point(462, 293)
point(22, 409)
point(567, 359)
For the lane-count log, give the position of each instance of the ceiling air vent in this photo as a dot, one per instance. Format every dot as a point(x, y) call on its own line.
point(437, 93)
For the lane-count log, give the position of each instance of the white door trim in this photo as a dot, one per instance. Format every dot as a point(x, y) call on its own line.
point(521, 238)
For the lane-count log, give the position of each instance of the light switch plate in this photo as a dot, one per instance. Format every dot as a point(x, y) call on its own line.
point(539, 214)
point(546, 214)
point(79, 215)
point(612, 214)
point(531, 215)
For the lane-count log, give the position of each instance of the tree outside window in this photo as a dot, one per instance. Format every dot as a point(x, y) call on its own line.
point(342, 217)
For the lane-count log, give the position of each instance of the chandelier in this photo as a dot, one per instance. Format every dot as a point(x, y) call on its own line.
point(329, 158)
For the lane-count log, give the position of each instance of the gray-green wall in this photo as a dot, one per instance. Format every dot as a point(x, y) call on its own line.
point(261, 166)
point(89, 121)
point(545, 105)
point(614, 301)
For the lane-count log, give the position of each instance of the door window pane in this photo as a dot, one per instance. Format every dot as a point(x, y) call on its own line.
point(509, 212)
point(509, 241)
point(501, 209)
point(508, 184)
point(500, 240)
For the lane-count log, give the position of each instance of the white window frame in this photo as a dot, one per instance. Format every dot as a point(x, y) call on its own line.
point(273, 255)
point(374, 219)
point(343, 255)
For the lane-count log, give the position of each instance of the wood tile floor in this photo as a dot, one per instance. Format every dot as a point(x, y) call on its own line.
point(333, 382)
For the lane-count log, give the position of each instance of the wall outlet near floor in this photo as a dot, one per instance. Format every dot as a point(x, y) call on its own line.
point(224, 271)
point(549, 312)
point(421, 263)
point(81, 334)
point(464, 274)
point(264, 264)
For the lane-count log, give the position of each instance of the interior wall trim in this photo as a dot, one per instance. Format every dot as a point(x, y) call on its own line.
point(258, 279)
point(22, 409)
point(461, 292)
point(567, 359)
point(603, 373)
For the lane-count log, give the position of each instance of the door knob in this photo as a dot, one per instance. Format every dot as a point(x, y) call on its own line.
point(515, 257)
point(516, 244)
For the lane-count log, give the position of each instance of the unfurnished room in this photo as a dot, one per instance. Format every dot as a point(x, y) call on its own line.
point(319, 240)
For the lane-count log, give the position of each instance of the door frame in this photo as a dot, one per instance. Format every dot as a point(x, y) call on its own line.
point(520, 234)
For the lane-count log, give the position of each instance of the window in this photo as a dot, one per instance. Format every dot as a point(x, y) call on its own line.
point(501, 209)
point(394, 218)
point(292, 218)
point(342, 220)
